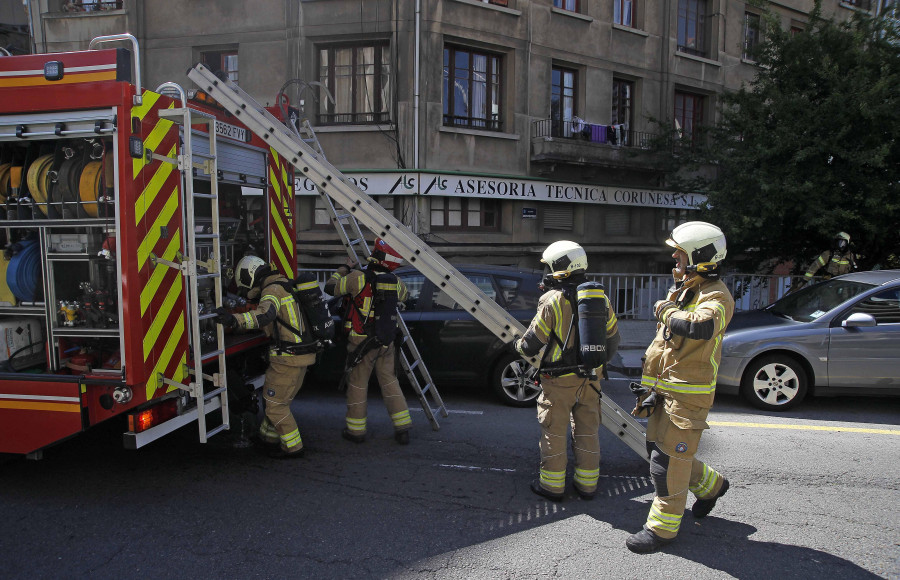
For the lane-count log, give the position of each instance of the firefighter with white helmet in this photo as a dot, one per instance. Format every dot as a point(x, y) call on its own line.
point(679, 375)
point(371, 323)
point(570, 386)
point(835, 261)
point(291, 351)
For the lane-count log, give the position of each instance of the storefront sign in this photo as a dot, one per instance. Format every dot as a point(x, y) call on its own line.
point(529, 213)
point(453, 185)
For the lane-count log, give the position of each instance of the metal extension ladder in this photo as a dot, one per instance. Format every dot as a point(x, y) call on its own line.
point(355, 243)
point(190, 266)
point(329, 180)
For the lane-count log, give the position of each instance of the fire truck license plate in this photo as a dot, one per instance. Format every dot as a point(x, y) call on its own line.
point(230, 131)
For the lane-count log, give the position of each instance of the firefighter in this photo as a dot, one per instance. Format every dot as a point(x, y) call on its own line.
point(680, 374)
point(371, 325)
point(571, 394)
point(836, 261)
point(292, 350)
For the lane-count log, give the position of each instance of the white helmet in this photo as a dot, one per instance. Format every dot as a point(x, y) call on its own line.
point(564, 259)
point(703, 243)
point(250, 271)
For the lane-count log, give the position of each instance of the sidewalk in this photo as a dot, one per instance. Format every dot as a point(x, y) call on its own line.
point(636, 336)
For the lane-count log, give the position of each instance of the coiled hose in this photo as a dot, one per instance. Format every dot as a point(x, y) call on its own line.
point(24, 271)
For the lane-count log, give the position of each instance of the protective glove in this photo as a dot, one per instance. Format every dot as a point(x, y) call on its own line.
point(225, 318)
point(647, 400)
point(660, 308)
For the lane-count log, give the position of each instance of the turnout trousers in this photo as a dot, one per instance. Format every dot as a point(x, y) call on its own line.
point(673, 434)
point(381, 360)
point(283, 381)
point(569, 403)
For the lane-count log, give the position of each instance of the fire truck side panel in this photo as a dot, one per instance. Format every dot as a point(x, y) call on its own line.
point(282, 229)
point(36, 414)
point(153, 294)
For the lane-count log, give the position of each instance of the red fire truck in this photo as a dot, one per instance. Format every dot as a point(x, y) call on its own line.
point(122, 212)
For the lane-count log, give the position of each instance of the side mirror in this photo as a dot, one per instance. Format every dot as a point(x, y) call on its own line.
point(859, 320)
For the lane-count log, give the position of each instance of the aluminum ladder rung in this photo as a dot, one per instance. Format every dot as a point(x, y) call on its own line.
point(206, 196)
point(208, 276)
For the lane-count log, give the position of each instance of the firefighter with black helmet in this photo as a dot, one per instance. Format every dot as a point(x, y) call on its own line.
point(571, 388)
point(373, 296)
point(679, 373)
point(292, 349)
point(835, 261)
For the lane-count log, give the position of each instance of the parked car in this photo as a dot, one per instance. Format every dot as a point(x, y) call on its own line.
point(838, 337)
point(456, 348)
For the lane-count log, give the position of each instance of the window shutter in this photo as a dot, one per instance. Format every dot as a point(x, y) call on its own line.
point(559, 218)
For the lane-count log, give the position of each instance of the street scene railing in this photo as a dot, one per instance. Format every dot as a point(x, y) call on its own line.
point(591, 132)
point(634, 295)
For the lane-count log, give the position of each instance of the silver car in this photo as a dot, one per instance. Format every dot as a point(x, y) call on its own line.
point(840, 337)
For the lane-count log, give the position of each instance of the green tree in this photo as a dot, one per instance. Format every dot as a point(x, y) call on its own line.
point(809, 147)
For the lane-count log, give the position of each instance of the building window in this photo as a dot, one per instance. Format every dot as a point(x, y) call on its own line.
point(623, 12)
point(616, 221)
point(672, 218)
point(359, 79)
point(692, 27)
point(859, 4)
point(562, 101)
point(457, 213)
point(472, 89)
point(223, 63)
point(623, 107)
point(570, 5)
point(688, 114)
point(751, 36)
point(90, 5)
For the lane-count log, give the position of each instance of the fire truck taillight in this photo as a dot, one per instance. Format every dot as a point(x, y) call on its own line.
point(53, 70)
point(143, 420)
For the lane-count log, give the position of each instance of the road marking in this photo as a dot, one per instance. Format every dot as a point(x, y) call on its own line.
point(450, 411)
point(805, 427)
point(475, 468)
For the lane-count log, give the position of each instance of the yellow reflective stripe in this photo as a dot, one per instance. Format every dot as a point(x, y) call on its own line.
point(155, 231)
point(158, 274)
point(678, 387)
point(587, 477)
point(556, 352)
point(156, 326)
point(611, 322)
point(248, 320)
point(356, 424)
point(821, 261)
point(292, 314)
point(712, 357)
point(153, 187)
point(554, 479)
point(292, 439)
point(664, 521)
point(307, 285)
point(402, 418)
point(708, 479)
point(591, 293)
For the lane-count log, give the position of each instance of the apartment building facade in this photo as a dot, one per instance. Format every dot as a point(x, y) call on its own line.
point(491, 127)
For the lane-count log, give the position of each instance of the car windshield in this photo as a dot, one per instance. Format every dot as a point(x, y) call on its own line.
point(813, 302)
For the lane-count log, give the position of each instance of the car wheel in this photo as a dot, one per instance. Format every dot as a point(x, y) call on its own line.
point(513, 380)
point(774, 383)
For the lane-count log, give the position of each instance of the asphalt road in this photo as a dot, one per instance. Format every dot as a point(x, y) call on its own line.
point(807, 501)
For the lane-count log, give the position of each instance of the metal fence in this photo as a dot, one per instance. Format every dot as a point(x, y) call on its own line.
point(600, 134)
point(633, 295)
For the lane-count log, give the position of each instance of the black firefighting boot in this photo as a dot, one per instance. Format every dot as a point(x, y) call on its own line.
point(702, 507)
point(536, 488)
point(350, 436)
point(585, 495)
point(282, 454)
point(402, 437)
point(646, 542)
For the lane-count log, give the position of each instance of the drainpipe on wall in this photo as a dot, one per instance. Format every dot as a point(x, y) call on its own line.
point(33, 47)
point(416, 72)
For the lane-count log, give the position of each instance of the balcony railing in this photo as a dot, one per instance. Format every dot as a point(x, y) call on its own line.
point(592, 133)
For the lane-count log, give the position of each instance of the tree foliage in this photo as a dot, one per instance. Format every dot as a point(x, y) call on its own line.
point(810, 147)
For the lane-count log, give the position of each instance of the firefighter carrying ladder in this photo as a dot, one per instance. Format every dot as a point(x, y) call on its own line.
point(363, 208)
point(192, 268)
point(355, 243)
